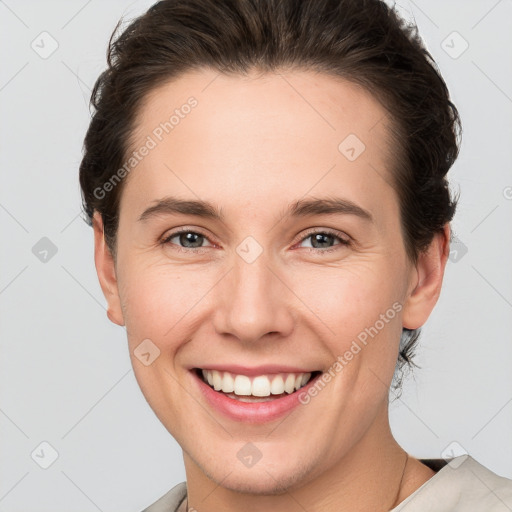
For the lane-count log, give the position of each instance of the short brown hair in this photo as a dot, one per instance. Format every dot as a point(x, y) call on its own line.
point(363, 41)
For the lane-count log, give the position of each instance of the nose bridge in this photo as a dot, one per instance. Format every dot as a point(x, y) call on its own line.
point(253, 301)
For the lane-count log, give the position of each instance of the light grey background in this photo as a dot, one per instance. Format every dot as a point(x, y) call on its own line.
point(65, 373)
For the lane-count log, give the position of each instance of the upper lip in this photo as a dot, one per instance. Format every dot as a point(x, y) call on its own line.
point(254, 370)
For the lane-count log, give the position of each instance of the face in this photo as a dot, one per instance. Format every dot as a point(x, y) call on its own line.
point(263, 288)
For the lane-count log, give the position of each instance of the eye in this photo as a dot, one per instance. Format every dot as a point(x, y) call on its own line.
point(186, 240)
point(321, 241)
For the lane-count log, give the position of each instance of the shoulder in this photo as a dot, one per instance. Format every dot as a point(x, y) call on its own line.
point(170, 501)
point(461, 485)
point(492, 492)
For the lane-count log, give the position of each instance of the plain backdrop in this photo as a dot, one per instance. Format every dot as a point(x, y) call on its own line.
point(68, 397)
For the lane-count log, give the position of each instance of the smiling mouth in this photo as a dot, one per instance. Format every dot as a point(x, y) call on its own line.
point(260, 388)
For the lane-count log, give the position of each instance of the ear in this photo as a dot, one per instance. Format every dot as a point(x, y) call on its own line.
point(105, 268)
point(428, 277)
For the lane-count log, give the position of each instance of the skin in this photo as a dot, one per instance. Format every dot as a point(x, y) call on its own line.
point(252, 146)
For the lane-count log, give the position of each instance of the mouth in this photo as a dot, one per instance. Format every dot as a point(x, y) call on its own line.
point(255, 388)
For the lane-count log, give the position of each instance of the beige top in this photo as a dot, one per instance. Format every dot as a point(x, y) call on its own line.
point(460, 484)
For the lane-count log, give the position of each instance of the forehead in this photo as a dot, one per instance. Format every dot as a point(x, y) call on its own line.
point(237, 139)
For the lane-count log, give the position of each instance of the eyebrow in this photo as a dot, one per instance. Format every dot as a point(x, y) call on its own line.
point(301, 208)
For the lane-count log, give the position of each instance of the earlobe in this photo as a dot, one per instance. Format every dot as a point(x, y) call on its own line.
point(426, 288)
point(105, 268)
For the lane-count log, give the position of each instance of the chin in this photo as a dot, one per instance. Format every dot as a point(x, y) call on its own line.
point(260, 483)
point(261, 479)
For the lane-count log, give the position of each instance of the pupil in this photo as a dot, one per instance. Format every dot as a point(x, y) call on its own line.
point(322, 238)
point(187, 238)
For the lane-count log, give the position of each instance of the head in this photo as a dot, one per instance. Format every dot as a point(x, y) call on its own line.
point(302, 149)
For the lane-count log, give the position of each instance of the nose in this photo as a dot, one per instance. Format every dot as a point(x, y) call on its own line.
point(253, 301)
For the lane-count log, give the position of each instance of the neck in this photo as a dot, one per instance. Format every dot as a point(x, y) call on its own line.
point(368, 478)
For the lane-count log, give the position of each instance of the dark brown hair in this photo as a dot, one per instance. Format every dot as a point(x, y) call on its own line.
point(363, 41)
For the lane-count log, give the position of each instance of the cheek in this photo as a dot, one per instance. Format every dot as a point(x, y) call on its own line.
point(360, 313)
point(158, 303)
point(157, 299)
point(349, 299)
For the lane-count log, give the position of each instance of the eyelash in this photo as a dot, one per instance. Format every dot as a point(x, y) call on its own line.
point(344, 242)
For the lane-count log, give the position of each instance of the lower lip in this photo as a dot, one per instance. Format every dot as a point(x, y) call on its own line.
point(251, 412)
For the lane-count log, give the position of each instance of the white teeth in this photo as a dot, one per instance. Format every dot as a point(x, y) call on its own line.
point(259, 386)
point(228, 383)
point(277, 386)
point(289, 383)
point(242, 385)
point(217, 380)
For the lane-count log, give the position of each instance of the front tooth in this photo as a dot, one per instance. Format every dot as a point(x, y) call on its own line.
point(228, 383)
point(298, 382)
point(289, 383)
point(261, 386)
point(277, 386)
point(242, 385)
point(217, 380)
